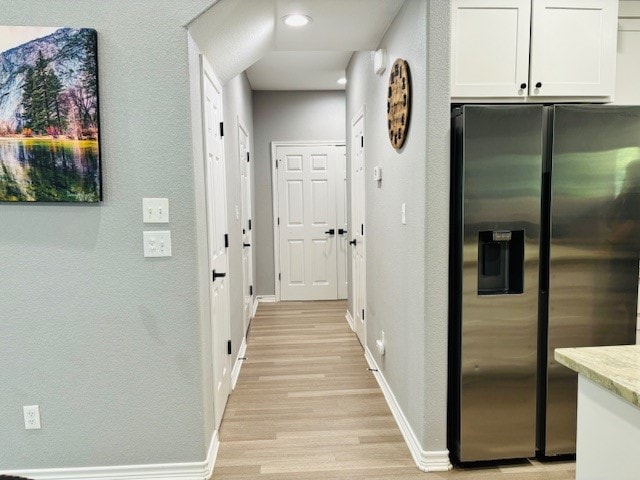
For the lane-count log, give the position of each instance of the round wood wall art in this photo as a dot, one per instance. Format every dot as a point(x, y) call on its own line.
point(399, 103)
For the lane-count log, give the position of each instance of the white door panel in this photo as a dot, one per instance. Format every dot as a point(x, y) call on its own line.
point(217, 229)
point(342, 235)
point(306, 182)
point(244, 157)
point(357, 230)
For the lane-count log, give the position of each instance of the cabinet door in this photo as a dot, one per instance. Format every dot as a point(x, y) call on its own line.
point(490, 48)
point(573, 48)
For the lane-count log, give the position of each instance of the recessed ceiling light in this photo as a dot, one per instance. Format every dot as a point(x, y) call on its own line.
point(296, 20)
point(342, 81)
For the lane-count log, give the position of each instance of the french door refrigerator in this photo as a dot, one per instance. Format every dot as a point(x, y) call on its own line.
point(545, 243)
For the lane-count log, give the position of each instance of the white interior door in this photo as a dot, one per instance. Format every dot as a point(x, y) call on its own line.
point(342, 241)
point(217, 229)
point(244, 157)
point(307, 215)
point(358, 251)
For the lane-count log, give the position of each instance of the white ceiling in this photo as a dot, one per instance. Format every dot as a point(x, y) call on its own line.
point(299, 71)
point(250, 35)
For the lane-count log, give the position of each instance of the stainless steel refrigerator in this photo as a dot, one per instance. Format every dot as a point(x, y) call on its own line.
point(545, 243)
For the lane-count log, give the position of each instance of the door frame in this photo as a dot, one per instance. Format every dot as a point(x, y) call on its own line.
point(241, 126)
point(275, 196)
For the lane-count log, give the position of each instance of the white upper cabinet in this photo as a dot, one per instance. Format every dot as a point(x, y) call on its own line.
point(573, 47)
point(490, 48)
point(523, 49)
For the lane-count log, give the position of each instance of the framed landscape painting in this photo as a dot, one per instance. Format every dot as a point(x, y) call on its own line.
point(49, 119)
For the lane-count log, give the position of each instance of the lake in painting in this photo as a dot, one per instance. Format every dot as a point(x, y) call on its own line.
point(49, 126)
point(49, 170)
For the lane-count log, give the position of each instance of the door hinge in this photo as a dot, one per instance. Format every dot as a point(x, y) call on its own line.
point(363, 314)
point(222, 129)
point(229, 347)
point(250, 289)
point(277, 164)
point(226, 240)
point(280, 276)
point(278, 220)
point(249, 224)
point(362, 229)
point(362, 141)
point(248, 156)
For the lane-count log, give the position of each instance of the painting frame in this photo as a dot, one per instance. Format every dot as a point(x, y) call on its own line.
point(50, 135)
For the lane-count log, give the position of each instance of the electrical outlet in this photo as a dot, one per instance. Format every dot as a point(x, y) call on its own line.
point(157, 243)
point(31, 417)
point(381, 344)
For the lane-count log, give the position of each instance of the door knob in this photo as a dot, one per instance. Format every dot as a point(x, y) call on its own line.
point(330, 232)
point(218, 275)
point(523, 85)
point(539, 85)
point(244, 245)
point(341, 231)
point(353, 242)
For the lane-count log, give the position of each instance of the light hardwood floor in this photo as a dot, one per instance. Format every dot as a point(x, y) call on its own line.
point(306, 407)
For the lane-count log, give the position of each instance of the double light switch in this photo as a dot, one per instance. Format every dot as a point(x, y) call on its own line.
point(156, 243)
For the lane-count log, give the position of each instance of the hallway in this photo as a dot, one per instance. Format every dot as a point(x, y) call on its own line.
point(306, 407)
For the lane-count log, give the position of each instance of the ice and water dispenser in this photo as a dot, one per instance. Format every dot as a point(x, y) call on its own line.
point(500, 262)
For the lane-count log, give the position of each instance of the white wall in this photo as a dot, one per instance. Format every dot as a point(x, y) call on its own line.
point(108, 343)
point(286, 116)
point(407, 265)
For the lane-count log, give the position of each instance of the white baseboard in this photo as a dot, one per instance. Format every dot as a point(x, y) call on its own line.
point(254, 308)
point(349, 319)
point(427, 461)
point(235, 373)
point(166, 471)
point(266, 298)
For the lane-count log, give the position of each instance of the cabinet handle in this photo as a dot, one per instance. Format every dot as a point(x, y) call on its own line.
point(538, 85)
point(523, 85)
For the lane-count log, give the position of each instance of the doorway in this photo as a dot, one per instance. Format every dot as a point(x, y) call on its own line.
point(310, 234)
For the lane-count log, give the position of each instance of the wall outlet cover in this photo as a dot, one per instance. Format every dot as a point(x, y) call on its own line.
point(157, 244)
point(31, 417)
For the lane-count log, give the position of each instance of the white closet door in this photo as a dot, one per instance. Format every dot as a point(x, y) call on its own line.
point(307, 213)
point(217, 229)
point(342, 239)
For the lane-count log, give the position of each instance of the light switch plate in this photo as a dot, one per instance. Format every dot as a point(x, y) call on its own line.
point(377, 174)
point(157, 244)
point(155, 210)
